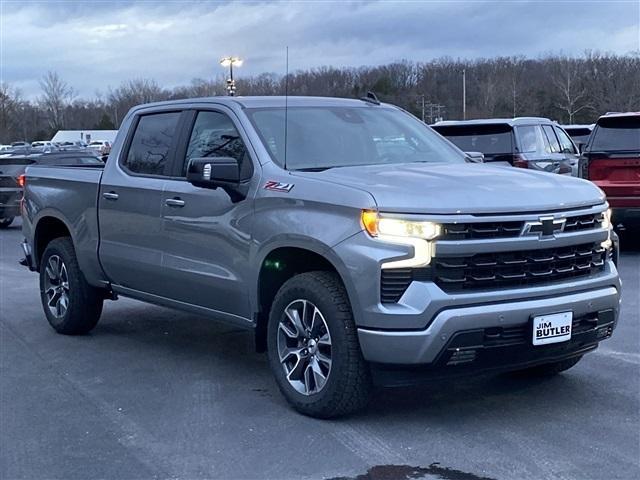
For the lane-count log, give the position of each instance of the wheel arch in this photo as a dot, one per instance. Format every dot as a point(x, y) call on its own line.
point(47, 228)
point(281, 262)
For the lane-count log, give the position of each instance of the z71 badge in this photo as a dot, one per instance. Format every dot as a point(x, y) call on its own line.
point(278, 186)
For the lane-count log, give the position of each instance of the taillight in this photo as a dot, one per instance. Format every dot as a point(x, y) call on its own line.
point(22, 180)
point(520, 162)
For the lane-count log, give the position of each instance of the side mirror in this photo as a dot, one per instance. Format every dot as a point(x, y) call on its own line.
point(475, 157)
point(581, 146)
point(213, 172)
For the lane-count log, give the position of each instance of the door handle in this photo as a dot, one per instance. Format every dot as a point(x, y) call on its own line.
point(110, 195)
point(174, 202)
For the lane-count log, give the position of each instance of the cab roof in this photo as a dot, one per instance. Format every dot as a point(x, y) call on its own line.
point(268, 102)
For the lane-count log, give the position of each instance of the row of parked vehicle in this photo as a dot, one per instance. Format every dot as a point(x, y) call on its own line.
point(607, 152)
point(102, 147)
point(13, 163)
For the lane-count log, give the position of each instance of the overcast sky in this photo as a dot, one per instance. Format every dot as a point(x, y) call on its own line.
point(94, 45)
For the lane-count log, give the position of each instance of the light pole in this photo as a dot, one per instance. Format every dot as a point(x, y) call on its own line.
point(230, 62)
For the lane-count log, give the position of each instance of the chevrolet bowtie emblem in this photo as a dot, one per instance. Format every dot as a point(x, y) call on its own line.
point(544, 227)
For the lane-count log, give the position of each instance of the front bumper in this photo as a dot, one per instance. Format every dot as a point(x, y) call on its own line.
point(425, 346)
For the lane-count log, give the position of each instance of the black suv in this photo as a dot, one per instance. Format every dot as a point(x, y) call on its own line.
point(525, 142)
point(12, 167)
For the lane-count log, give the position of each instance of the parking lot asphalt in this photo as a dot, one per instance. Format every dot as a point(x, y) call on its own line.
point(155, 393)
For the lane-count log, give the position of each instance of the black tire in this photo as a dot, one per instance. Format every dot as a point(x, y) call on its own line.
point(5, 222)
point(550, 369)
point(348, 382)
point(84, 302)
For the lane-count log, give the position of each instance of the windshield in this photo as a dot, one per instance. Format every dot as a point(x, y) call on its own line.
point(325, 137)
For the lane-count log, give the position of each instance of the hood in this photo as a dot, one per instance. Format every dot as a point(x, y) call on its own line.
point(463, 188)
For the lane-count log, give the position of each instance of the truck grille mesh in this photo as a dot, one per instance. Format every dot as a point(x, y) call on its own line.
point(517, 269)
point(487, 230)
point(498, 270)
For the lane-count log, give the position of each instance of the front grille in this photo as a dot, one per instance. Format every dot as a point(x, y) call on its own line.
point(517, 269)
point(9, 199)
point(8, 182)
point(487, 230)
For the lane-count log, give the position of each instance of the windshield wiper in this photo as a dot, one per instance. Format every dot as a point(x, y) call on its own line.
point(313, 169)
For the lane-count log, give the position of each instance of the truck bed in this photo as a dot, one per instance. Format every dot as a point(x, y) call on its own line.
point(69, 194)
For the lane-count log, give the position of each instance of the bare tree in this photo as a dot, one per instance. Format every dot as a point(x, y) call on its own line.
point(569, 84)
point(56, 96)
point(10, 102)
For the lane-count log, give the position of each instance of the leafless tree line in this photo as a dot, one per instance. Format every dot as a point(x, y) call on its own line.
point(567, 89)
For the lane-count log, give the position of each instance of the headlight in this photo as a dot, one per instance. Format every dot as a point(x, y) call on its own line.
point(403, 232)
point(377, 225)
point(606, 224)
point(606, 219)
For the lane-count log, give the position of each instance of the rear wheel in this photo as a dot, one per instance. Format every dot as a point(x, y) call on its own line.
point(550, 369)
point(5, 222)
point(313, 347)
point(72, 306)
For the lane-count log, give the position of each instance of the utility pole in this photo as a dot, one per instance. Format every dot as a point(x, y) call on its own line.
point(423, 108)
point(464, 94)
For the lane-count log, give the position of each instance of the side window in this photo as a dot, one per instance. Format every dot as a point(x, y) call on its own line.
point(554, 146)
point(531, 139)
point(214, 135)
point(149, 150)
point(565, 141)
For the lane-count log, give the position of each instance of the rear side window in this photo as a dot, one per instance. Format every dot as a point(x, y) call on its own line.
point(530, 139)
point(617, 135)
point(215, 135)
point(149, 150)
point(487, 139)
point(566, 144)
point(554, 145)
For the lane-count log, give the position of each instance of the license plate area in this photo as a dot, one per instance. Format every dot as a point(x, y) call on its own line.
point(552, 328)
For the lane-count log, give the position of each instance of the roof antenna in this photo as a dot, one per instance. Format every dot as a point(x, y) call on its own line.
point(286, 107)
point(371, 98)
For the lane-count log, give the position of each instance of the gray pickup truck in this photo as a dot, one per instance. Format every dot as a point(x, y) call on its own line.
point(360, 246)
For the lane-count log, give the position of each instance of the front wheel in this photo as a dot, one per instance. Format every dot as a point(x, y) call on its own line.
point(5, 222)
point(72, 306)
point(313, 347)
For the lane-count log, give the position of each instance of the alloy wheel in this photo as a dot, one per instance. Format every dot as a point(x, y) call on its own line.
point(56, 286)
point(304, 347)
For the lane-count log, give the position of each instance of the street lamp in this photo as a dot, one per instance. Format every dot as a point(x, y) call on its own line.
point(230, 62)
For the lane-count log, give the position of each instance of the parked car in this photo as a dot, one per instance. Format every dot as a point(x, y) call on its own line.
point(579, 133)
point(525, 142)
point(43, 146)
point(103, 147)
point(611, 159)
point(20, 144)
point(362, 248)
point(12, 168)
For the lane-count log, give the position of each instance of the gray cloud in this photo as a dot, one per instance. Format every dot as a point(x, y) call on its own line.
point(94, 45)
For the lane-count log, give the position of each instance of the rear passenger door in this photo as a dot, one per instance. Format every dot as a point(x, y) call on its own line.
point(206, 235)
point(130, 203)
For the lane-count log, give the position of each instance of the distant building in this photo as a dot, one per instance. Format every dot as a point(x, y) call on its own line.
point(84, 135)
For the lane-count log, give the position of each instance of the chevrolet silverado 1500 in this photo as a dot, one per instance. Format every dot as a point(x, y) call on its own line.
point(358, 244)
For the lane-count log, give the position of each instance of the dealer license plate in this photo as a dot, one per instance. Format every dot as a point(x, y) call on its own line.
point(553, 328)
